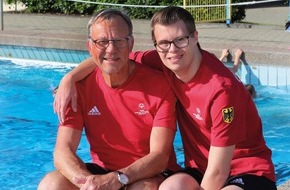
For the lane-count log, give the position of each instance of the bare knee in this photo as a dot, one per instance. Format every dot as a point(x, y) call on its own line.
point(179, 181)
point(232, 187)
point(55, 181)
point(147, 184)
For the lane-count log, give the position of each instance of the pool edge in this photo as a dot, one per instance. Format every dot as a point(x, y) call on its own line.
point(284, 186)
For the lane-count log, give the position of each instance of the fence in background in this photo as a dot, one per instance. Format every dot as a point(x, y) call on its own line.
point(219, 10)
point(4, 7)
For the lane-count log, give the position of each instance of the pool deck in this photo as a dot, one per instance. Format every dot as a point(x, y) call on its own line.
point(262, 35)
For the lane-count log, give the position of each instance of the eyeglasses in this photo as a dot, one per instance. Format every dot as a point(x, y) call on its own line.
point(180, 42)
point(104, 43)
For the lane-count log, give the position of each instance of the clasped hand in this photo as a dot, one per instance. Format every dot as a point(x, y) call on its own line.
point(98, 182)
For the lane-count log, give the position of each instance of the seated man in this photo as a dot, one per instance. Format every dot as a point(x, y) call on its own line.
point(221, 130)
point(129, 123)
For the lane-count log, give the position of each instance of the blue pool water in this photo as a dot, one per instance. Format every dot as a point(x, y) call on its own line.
point(28, 125)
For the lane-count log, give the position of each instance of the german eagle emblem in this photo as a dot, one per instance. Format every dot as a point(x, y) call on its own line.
point(228, 114)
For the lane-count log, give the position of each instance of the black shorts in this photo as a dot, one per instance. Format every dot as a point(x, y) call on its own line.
point(246, 182)
point(96, 169)
point(193, 172)
point(251, 182)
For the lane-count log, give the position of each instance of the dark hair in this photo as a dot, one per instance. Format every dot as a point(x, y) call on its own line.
point(170, 15)
point(107, 14)
point(251, 89)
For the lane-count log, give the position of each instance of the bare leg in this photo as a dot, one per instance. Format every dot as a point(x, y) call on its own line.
point(56, 181)
point(179, 181)
point(231, 187)
point(147, 184)
point(238, 55)
point(225, 53)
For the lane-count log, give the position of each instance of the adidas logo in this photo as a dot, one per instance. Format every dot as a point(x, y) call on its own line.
point(94, 111)
point(237, 181)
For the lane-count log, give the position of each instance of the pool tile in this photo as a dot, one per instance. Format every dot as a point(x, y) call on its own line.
point(253, 74)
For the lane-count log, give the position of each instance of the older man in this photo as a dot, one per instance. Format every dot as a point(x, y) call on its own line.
point(129, 122)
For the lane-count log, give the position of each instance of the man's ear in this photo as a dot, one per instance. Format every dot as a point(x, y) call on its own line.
point(131, 43)
point(89, 46)
point(195, 35)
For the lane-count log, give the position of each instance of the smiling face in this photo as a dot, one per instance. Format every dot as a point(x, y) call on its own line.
point(174, 28)
point(175, 58)
point(113, 58)
point(179, 60)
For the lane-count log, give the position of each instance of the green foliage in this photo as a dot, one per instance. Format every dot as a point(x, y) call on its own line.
point(238, 12)
point(147, 13)
point(141, 13)
point(56, 6)
point(217, 14)
point(100, 6)
point(71, 7)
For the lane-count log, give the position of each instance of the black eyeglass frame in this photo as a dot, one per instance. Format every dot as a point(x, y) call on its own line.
point(162, 50)
point(103, 47)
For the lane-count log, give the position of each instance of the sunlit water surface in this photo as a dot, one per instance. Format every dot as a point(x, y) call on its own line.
point(28, 125)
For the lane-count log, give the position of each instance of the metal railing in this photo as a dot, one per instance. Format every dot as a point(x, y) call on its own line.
point(220, 10)
point(204, 12)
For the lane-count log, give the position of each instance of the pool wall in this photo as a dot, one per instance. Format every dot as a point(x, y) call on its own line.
point(43, 54)
point(256, 74)
point(267, 75)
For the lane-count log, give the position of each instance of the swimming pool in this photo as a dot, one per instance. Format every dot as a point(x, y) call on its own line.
point(28, 125)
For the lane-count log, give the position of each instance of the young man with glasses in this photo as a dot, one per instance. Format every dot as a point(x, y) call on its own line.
point(221, 130)
point(129, 124)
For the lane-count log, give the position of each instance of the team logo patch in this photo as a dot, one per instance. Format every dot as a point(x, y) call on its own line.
point(228, 114)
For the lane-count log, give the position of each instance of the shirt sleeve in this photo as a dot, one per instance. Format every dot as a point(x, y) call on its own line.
point(74, 119)
point(166, 115)
point(149, 58)
point(228, 117)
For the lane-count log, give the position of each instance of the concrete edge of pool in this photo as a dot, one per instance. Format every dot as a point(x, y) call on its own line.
point(285, 186)
point(256, 74)
point(267, 44)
